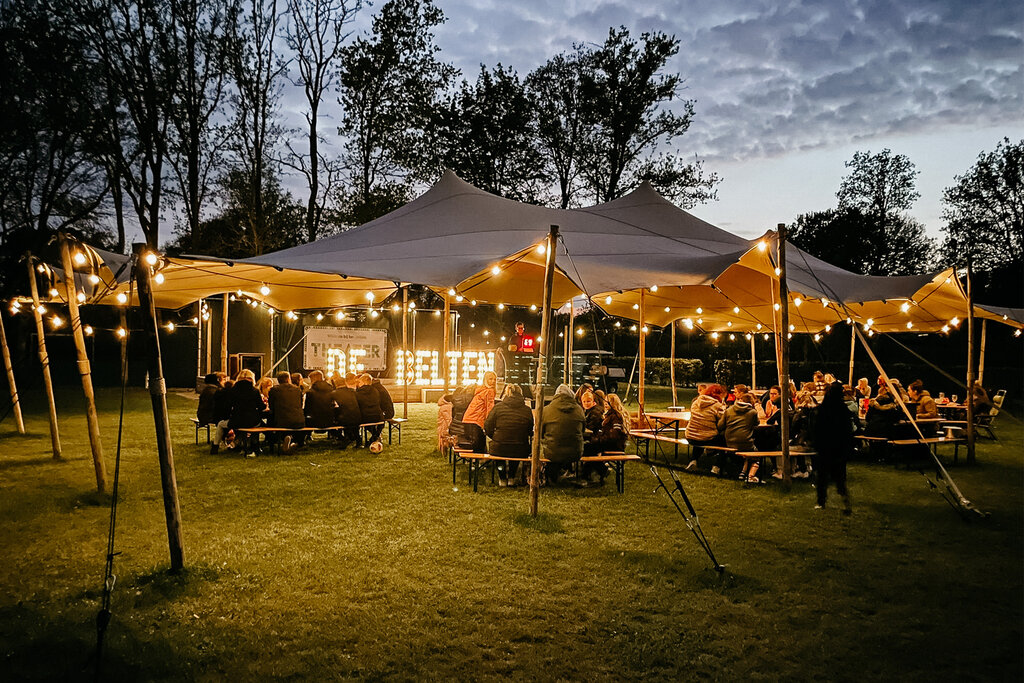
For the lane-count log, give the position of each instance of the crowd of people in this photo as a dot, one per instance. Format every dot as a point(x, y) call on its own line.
point(293, 402)
point(574, 424)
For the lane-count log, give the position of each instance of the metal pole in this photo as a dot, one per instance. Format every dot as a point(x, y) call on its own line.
point(783, 337)
point(405, 351)
point(44, 359)
point(853, 347)
point(753, 362)
point(158, 396)
point(224, 335)
point(199, 338)
point(970, 366)
point(272, 364)
point(538, 390)
point(447, 339)
point(84, 369)
point(16, 404)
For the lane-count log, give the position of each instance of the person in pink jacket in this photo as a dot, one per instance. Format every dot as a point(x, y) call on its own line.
point(476, 413)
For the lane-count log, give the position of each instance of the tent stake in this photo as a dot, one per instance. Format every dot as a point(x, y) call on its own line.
point(783, 337)
point(16, 404)
point(158, 396)
point(405, 351)
point(44, 358)
point(538, 391)
point(84, 369)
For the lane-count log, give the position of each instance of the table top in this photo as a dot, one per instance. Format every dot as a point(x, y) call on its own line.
point(667, 417)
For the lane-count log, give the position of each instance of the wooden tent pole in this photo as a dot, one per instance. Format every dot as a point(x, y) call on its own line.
point(981, 354)
point(970, 366)
point(224, 335)
point(853, 347)
point(158, 396)
point(405, 351)
point(84, 369)
point(208, 337)
point(643, 355)
point(44, 358)
point(753, 362)
point(672, 364)
point(447, 341)
point(15, 402)
point(571, 331)
point(538, 388)
point(783, 337)
point(199, 339)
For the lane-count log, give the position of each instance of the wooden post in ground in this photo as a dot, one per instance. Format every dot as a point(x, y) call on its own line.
point(16, 404)
point(672, 364)
point(44, 359)
point(158, 396)
point(571, 331)
point(405, 351)
point(783, 337)
point(447, 340)
point(971, 432)
point(224, 335)
point(209, 337)
point(199, 338)
point(538, 388)
point(753, 361)
point(853, 346)
point(84, 369)
point(643, 356)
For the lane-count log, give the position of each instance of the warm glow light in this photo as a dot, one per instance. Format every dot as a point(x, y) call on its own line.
point(56, 321)
point(688, 323)
point(945, 328)
point(533, 307)
point(369, 296)
point(374, 315)
point(88, 330)
point(749, 336)
point(700, 321)
point(195, 321)
point(459, 297)
point(495, 270)
point(828, 328)
point(905, 306)
point(636, 307)
point(579, 331)
point(501, 307)
point(955, 321)
point(767, 337)
point(437, 314)
point(487, 333)
point(40, 268)
point(699, 310)
point(728, 323)
point(789, 336)
point(340, 315)
point(871, 333)
point(778, 271)
point(762, 245)
point(159, 279)
point(910, 325)
point(264, 290)
point(607, 300)
point(777, 306)
point(502, 337)
point(654, 288)
point(291, 315)
point(817, 337)
point(667, 309)
point(541, 249)
point(824, 302)
point(412, 305)
point(170, 327)
point(632, 328)
point(797, 301)
point(254, 303)
point(792, 328)
point(53, 293)
point(618, 324)
point(41, 310)
point(150, 259)
point(94, 279)
point(270, 310)
point(319, 317)
point(472, 325)
point(79, 258)
point(81, 297)
point(732, 337)
point(714, 335)
point(451, 292)
point(122, 333)
point(759, 326)
point(396, 308)
point(472, 302)
point(871, 321)
point(1017, 333)
point(122, 298)
point(736, 309)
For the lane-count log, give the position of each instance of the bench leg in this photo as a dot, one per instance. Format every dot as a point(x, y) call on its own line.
point(620, 477)
point(197, 435)
point(207, 434)
point(474, 473)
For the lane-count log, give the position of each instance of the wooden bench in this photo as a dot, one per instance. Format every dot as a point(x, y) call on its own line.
point(195, 423)
point(334, 429)
point(477, 461)
point(933, 442)
point(396, 423)
point(649, 435)
point(618, 460)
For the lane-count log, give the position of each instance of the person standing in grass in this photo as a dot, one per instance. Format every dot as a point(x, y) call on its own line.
point(833, 440)
point(477, 412)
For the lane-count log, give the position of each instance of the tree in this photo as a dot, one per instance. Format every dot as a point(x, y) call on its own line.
point(984, 210)
point(879, 185)
point(315, 35)
point(683, 183)
point(256, 68)
point(390, 86)
point(488, 136)
point(201, 44)
point(556, 88)
point(624, 91)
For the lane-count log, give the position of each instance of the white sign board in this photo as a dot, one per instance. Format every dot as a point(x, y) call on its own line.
point(350, 349)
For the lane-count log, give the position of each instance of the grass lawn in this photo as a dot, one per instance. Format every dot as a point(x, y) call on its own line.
point(328, 565)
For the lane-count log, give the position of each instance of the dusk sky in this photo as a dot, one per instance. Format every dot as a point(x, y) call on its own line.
point(786, 91)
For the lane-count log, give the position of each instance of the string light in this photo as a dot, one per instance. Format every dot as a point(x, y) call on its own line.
point(195, 321)
point(699, 310)
point(533, 307)
point(122, 333)
point(579, 331)
point(56, 321)
point(700, 321)
point(749, 336)
point(905, 306)
point(759, 326)
point(374, 315)
point(777, 306)
point(94, 279)
point(824, 302)
point(541, 249)
point(636, 307)
point(688, 323)
point(264, 290)
point(369, 296)
point(340, 315)
point(817, 337)
point(451, 292)
point(728, 323)
point(766, 336)
point(632, 328)
point(150, 258)
point(412, 305)
point(81, 297)
point(910, 325)
point(396, 308)
point(122, 298)
point(170, 327)
point(79, 258)
point(501, 307)
point(53, 293)
point(502, 337)
point(762, 245)
point(736, 309)
point(437, 314)
point(778, 271)
point(495, 270)
point(88, 330)
point(41, 310)
point(618, 324)
point(291, 315)
point(797, 301)
point(714, 335)
point(654, 288)
point(319, 317)
point(792, 328)
point(955, 321)
point(828, 328)
point(1017, 333)
point(459, 297)
point(487, 333)
point(607, 300)
point(159, 278)
point(945, 328)
point(732, 337)
point(472, 302)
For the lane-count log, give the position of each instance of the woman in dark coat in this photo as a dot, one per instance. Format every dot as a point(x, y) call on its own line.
point(246, 407)
point(833, 440)
point(561, 432)
point(509, 426)
point(369, 407)
point(610, 436)
point(319, 404)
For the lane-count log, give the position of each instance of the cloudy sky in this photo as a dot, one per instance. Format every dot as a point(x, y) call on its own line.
point(785, 92)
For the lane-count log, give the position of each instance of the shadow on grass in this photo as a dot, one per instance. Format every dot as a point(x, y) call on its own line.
point(35, 461)
point(543, 523)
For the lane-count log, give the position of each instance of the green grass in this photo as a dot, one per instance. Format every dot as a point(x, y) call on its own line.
point(327, 565)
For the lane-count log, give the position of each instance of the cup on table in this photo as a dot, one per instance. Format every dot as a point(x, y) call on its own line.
point(953, 398)
point(942, 397)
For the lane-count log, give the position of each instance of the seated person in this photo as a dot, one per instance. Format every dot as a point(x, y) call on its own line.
point(346, 410)
point(610, 436)
point(369, 407)
point(221, 414)
point(285, 401)
point(926, 408)
point(211, 385)
point(509, 426)
point(460, 398)
point(477, 411)
point(246, 408)
point(982, 403)
point(319, 403)
point(444, 421)
point(863, 389)
point(387, 404)
point(737, 424)
point(702, 429)
point(593, 413)
point(562, 432)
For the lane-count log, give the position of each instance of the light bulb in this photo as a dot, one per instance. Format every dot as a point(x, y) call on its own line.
point(122, 333)
point(654, 288)
point(94, 279)
point(53, 293)
point(607, 300)
point(122, 298)
point(459, 298)
point(501, 307)
point(88, 330)
point(56, 321)
point(905, 306)
point(541, 249)
point(79, 258)
point(762, 245)
point(495, 270)
point(699, 310)
point(81, 297)
point(264, 290)
point(412, 305)
point(340, 315)
point(170, 327)
point(150, 259)
point(533, 307)
point(159, 278)
point(797, 301)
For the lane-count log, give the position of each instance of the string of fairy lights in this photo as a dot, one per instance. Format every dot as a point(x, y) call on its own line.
point(692, 321)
